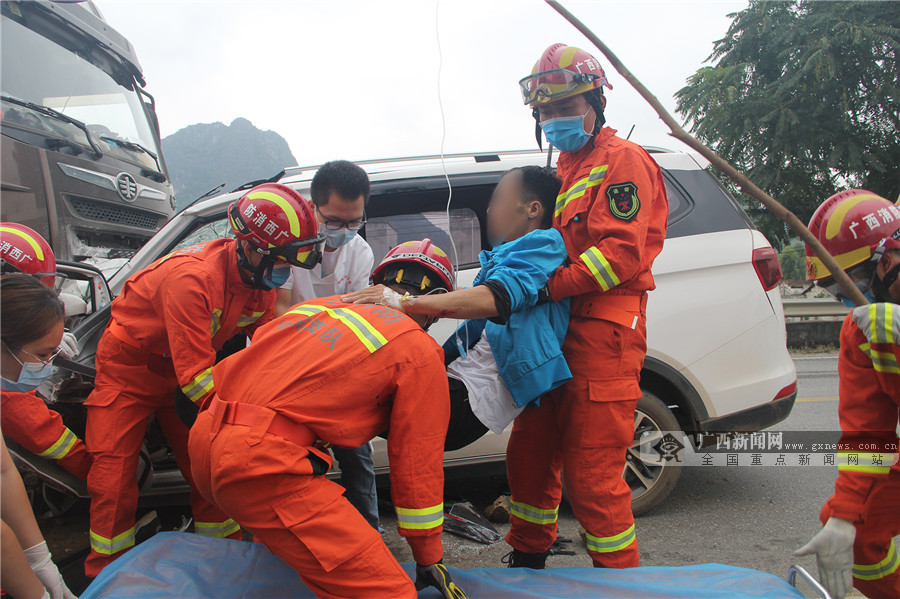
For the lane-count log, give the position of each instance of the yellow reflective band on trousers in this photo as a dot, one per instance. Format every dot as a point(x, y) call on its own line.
point(594, 178)
point(610, 544)
point(865, 462)
point(108, 546)
point(62, 447)
point(217, 529)
point(216, 318)
point(882, 569)
point(536, 515)
point(359, 326)
point(200, 386)
point(882, 361)
point(600, 268)
point(246, 320)
point(420, 519)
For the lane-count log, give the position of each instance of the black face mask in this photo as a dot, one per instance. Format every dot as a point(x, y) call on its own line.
point(262, 274)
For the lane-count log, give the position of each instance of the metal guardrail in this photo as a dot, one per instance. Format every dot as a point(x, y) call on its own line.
point(814, 308)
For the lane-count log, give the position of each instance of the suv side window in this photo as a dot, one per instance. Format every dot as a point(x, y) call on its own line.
point(385, 232)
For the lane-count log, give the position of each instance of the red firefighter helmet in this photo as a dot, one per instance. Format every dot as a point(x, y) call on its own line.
point(852, 225)
point(562, 71)
point(278, 221)
point(418, 263)
point(23, 250)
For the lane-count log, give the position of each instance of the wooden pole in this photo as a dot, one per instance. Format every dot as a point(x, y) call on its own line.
point(741, 180)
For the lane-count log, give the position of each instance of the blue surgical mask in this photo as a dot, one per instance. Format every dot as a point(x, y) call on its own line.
point(851, 304)
point(566, 133)
point(341, 237)
point(278, 277)
point(32, 375)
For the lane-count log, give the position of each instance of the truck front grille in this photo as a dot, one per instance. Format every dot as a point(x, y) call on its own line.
point(119, 215)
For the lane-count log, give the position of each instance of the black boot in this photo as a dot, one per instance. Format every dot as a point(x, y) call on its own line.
point(520, 559)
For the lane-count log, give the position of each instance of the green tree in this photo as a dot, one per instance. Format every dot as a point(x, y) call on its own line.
point(803, 97)
point(793, 261)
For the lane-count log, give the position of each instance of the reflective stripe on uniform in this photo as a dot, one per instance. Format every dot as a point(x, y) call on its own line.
point(359, 326)
point(108, 546)
point(868, 462)
point(882, 361)
point(595, 177)
point(200, 386)
point(600, 268)
point(879, 322)
point(533, 514)
point(884, 568)
point(246, 320)
point(420, 519)
point(216, 322)
point(62, 447)
point(613, 543)
point(217, 529)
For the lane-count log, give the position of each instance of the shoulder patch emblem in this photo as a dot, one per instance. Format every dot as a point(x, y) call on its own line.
point(623, 200)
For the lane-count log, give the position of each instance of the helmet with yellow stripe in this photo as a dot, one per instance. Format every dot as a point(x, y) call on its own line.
point(279, 222)
point(23, 250)
point(856, 227)
point(419, 264)
point(561, 72)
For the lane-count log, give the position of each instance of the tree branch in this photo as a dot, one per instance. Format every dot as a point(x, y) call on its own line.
point(741, 180)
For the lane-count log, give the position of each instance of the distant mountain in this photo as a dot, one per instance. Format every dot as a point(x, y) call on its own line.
point(201, 156)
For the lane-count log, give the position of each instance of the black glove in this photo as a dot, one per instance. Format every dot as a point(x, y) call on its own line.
point(438, 577)
point(544, 295)
point(185, 409)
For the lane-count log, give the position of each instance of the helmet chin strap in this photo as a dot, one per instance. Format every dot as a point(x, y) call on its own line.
point(881, 287)
point(594, 98)
point(264, 268)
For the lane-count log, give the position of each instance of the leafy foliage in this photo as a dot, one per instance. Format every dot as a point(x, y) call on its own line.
point(803, 97)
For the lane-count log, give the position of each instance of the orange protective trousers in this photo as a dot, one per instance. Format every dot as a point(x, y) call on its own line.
point(128, 390)
point(266, 483)
point(876, 561)
point(583, 428)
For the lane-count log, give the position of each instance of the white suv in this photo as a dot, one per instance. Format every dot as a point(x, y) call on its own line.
point(717, 358)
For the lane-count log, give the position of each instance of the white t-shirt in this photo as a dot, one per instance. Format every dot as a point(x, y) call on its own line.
point(346, 269)
point(491, 401)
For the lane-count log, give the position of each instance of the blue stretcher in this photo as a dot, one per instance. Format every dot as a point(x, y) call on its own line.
point(183, 565)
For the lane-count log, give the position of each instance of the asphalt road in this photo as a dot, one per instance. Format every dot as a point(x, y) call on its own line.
point(749, 516)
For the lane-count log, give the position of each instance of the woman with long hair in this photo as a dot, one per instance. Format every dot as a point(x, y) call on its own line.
point(31, 329)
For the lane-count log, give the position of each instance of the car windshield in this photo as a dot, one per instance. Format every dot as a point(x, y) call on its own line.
point(41, 72)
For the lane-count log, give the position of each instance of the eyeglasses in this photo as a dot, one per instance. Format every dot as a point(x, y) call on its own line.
point(46, 362)
point(336, 224)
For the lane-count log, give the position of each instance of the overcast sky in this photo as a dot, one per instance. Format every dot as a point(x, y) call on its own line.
point(358, 80)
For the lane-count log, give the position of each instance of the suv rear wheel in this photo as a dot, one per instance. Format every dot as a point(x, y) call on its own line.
point(651, 478)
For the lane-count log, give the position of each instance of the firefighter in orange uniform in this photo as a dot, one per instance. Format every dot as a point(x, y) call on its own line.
point(612, 212)
point(855, 547)
point(164, 332)
point(24, 417)
point(327, 371)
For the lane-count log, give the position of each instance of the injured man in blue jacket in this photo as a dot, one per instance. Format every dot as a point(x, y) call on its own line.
point(509, 352)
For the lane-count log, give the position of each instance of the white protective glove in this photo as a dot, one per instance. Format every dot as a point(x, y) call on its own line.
point(42, 565)
point(68, 347)
point(833, 547)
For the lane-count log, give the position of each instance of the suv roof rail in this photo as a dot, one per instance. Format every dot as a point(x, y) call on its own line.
point(477, 156)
